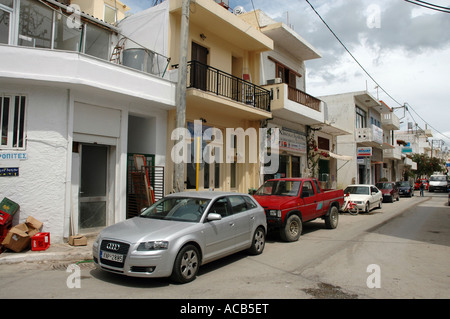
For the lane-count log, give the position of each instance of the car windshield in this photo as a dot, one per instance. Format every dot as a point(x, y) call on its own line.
point(185, 209)
point(357, 190)
point(281, 188)
point(437, 178)
point(384, 185)
point(404, 184)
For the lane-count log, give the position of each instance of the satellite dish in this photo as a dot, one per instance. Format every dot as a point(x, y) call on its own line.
point(239, 10)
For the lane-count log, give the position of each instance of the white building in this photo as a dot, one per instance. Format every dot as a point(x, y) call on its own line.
point(372, 122)
point(72, 117)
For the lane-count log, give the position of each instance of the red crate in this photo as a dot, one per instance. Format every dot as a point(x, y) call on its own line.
point(5, 218)
point(40, 241)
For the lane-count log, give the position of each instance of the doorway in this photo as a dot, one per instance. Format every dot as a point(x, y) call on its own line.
point(199, 69)
point(93, 191)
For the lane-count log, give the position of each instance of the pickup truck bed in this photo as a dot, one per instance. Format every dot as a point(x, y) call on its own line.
point(290, 202)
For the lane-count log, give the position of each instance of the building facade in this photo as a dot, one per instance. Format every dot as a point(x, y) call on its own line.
point(70, 118)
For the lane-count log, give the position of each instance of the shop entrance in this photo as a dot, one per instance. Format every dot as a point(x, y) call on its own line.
point(93, 191)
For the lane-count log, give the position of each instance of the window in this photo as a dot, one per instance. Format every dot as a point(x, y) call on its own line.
point(5, 26)
point(220, 207)
point(12, 120)
point(238, 204)
point(307, 189)
point(110, 14)
point(35, 25)
point(286, 74)
point(361, 118)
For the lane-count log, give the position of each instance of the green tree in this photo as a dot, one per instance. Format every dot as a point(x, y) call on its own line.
point(426, 166)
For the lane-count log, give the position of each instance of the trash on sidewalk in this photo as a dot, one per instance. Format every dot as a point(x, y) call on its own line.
point(40, 241)
point(77, 240)
point(7, 210)
point(19, 237)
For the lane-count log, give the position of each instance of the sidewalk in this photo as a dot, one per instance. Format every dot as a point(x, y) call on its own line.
point(56, 252)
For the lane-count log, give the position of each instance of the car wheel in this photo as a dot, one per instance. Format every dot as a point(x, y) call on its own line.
point(331, 221)
point(292, 229)
point(366, 209)
point(186, 264)
point(381, 202)
point(259, 241)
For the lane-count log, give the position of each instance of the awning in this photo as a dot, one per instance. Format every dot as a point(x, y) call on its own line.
point(341, 157)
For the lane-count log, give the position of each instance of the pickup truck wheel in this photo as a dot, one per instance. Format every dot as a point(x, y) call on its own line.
point(331, 221)
point(293, 229)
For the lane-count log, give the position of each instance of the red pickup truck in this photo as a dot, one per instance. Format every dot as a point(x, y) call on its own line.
point(290, 202)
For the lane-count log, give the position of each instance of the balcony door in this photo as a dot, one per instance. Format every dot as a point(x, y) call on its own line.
point(199, 70)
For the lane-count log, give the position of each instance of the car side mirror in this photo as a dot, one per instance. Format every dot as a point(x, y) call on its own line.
point(304, 194)
point(214, 216)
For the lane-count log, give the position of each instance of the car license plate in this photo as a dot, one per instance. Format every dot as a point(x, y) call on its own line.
point(111, 256)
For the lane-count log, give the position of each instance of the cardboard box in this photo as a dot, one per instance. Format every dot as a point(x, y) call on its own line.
point(77, 240)
point(19, 236)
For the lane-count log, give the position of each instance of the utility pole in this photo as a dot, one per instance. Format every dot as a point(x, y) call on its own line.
point(178, 176)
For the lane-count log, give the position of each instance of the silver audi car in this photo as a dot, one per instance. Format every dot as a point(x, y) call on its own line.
point(180, 232)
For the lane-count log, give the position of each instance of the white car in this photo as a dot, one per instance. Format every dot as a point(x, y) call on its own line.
point(364, 196)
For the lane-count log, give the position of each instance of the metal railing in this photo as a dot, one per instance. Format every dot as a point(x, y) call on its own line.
point(209, 79)
point(303, 98)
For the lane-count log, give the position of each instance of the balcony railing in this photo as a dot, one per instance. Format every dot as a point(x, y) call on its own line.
point(303, 98)
point(209, 79)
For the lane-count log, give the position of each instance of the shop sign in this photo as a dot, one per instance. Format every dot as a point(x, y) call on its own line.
point(406, 149)
point(7, 156)
point(9, 171)
point(291, 140)
point(364, 151)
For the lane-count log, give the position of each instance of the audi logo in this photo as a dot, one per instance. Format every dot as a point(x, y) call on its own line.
point(113, 246)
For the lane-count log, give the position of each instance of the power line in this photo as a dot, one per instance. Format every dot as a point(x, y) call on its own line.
point(348, 51)
point(429, 6)
point(368, 74)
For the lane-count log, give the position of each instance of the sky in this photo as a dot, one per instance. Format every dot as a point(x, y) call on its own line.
point(404, 47)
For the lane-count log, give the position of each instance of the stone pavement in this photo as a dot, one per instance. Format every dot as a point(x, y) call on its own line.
point(56, 252)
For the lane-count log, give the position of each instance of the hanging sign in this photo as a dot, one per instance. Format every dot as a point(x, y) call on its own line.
point(364, 151)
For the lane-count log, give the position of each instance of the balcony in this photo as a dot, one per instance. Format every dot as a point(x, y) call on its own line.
point(372, 136)
point(390, 121)
point(393, 153)
point(224, 89)
point(295, 105)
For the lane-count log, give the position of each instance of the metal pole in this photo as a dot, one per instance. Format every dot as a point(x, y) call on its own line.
point(181, 89)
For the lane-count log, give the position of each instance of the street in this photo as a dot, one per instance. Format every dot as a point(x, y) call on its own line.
point(399, 251)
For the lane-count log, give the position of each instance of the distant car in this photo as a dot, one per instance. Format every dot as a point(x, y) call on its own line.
point(389, 191)
point(437, 182)
point(405, 188)
point(417, 184)
point(364, 196)
point(180, 232)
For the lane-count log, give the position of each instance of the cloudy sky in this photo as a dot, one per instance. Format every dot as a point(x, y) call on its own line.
point(404, 47)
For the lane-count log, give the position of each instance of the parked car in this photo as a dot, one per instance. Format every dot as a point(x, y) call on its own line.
point(290, 202)
point(437, 182)
point(389, 191)
point(405, 188)
point(180, 232)
point(419, 181)
point(365, 196)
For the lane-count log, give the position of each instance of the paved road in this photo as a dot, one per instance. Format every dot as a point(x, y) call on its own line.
point(407, 241)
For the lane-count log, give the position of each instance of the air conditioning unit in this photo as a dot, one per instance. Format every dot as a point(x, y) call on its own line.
point(274, 81)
